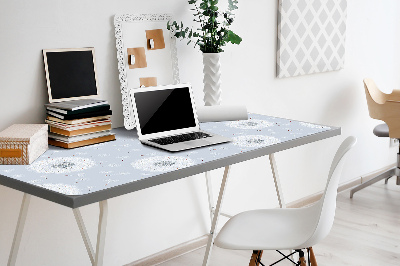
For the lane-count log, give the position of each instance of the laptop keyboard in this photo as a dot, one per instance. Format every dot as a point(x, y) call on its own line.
point(180, 138)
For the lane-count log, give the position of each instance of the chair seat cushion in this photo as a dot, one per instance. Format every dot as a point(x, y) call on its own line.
point(269, 229)
point(381, 130)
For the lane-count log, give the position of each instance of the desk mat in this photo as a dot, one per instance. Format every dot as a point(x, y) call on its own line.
point(97, 167)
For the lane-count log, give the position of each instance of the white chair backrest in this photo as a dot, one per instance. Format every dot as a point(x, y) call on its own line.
point(327, 204)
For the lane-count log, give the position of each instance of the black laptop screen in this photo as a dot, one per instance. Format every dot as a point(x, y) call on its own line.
point(164, 110)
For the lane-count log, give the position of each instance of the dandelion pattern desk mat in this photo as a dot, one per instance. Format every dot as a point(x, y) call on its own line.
point(92, 168)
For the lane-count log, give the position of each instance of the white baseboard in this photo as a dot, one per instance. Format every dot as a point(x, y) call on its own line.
point(172, 252)
point(200, 242)
point(369, 176)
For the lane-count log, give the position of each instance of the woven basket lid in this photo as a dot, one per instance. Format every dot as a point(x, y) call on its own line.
point(21, 132)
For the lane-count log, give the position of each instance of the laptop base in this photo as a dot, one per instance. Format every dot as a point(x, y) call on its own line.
point(192, 144)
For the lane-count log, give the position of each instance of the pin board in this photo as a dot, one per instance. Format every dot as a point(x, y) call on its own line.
point(145, 48)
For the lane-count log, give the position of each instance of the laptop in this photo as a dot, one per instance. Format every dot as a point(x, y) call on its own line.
point(166, 118)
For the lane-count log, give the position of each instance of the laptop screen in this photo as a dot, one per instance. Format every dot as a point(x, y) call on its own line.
point(164, 110)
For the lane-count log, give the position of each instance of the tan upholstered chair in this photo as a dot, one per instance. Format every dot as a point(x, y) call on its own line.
point(385, 107)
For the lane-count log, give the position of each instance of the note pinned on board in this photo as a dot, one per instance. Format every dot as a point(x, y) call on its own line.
point(138, 54)
point(148, 82)
point(155, 39)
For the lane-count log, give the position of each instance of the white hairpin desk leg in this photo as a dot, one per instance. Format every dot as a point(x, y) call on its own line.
point(101, 233)
point(85, 236)
point(19, 229)
point(95, 258)
point(277, 182)
point(215, 217)
point(210, 194)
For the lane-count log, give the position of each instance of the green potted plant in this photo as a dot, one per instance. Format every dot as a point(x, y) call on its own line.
point(212, 35)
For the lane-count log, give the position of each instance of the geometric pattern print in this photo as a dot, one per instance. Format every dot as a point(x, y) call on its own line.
point(311, 36)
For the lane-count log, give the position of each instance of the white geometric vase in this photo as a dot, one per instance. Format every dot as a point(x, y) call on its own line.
point(212, 75)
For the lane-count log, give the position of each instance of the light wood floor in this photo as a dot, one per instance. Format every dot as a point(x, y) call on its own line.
point(366, 232)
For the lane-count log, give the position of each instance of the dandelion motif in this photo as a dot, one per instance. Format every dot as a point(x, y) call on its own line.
point(249, 124)
point(34, 181)
point(62, 188)
point(112, 165)
point(162, 163)
point(304, 124)
point(254, 141)
point(8, 170)
point(111, 180)
point(62, 165)
point(124, 173)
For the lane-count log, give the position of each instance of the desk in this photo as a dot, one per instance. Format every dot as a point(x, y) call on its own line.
point(78, 177)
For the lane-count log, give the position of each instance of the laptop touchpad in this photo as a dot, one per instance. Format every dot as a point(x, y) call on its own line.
point(196, 143)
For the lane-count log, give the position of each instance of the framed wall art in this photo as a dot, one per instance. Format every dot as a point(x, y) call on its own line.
point(146, 53)
point(311, 36)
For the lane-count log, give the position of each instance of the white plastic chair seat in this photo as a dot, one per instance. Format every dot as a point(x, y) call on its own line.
point(300, 228)
point(286, 229)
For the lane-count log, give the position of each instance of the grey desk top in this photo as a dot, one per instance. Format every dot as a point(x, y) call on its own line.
point(90, 174)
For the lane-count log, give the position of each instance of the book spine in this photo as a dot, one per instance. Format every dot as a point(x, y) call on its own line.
point(78, 126)
point(57, 110)
point(55, 115)
point(79, 131)
point(80, 116)
point(80, 111)
point(78, 121)
point(81, 143)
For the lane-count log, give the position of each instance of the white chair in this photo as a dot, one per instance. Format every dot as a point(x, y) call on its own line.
point(287, 229)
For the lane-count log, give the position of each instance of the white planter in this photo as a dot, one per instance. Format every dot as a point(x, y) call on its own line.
point(212, 75)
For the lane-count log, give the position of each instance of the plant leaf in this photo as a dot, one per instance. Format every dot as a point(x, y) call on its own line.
point(233, 37)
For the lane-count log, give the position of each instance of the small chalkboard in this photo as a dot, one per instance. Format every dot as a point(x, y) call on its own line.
point(70, 74)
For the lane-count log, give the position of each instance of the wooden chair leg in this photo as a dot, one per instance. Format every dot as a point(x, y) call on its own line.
point(255, 257)
point(313, 260)
point(302, 259)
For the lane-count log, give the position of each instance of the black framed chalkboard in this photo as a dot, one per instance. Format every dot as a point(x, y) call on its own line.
point(70, 74)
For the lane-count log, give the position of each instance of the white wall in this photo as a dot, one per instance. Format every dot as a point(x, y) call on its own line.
point(146, 222)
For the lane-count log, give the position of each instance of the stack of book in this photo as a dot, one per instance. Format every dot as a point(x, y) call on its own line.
point(79, 123)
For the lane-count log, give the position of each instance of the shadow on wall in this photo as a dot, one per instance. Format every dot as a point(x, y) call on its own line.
point(112, 67)
point(42, 85)
point(345, 98)
point(112, 84)
point(28, 113)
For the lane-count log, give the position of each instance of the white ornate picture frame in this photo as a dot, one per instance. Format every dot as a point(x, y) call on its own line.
point(130, 32)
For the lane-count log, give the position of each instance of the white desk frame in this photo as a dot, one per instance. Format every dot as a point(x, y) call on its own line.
point(215, 212)
point(75, 202)
point(96, 258)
